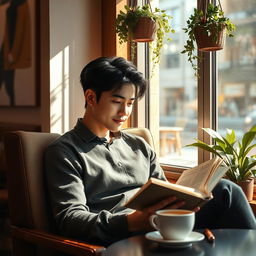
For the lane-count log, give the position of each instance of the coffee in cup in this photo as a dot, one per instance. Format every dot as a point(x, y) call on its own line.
point(173, 224)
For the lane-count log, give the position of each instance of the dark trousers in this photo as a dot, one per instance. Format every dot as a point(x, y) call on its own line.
point(228, 209)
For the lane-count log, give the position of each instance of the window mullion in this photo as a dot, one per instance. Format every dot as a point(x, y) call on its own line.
point(205, 103)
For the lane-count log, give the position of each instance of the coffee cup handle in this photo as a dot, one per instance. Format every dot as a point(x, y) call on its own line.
point(153, 221)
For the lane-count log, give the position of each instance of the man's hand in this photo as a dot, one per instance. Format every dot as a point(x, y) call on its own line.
point(139, 220)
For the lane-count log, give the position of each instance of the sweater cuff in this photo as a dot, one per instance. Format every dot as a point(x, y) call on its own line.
point(119, 224)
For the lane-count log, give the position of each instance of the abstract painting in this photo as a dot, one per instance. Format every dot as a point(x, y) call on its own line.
point(18, 52)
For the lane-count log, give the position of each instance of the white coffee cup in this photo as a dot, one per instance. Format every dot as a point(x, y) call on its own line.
point(173, 224)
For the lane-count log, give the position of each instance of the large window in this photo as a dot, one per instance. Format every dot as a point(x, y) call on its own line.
point(236, 69)
point(226, 98)
point(177, 92)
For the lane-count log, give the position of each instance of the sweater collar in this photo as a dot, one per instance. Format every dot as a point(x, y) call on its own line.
point(87, 135)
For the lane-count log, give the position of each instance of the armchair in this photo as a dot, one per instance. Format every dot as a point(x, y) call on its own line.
point(32, 229)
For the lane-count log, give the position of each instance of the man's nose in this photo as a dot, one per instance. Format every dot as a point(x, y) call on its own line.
point(124, 110)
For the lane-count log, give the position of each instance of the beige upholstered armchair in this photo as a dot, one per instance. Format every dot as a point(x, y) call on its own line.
point(32, 230)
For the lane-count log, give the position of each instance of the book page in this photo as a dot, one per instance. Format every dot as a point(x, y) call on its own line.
point(178, 187)
point(216, 177)
point(199, 176)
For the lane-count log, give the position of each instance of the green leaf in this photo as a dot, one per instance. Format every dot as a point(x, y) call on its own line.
point(246, 152)
point(251, 165)
point(213, 134)
point(229, 148)
point(253, 129)
point(247, 139)
point(204, 146)
point(231, 136)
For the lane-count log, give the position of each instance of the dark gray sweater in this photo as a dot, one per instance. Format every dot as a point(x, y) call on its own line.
point(89, 180)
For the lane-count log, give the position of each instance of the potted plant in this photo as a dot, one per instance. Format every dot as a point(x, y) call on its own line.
point(132, 21)
point(207, 30)
point(235, 155)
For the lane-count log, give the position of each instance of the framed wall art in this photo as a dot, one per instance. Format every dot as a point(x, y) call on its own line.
point(19, 46)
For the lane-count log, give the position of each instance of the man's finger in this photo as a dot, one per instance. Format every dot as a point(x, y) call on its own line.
point(196, 209)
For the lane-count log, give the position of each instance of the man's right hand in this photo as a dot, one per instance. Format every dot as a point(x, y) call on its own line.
point(139, 220)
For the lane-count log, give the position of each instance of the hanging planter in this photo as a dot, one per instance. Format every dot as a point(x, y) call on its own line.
point(212, 40)
point(142, 24)
point(145, 30)
point(207, 30)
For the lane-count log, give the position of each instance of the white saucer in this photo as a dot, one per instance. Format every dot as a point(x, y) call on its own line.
point(193, 237)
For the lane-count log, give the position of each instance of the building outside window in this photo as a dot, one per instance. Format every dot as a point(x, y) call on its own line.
point(178, 89)
point(178, 92)
point(237, 70)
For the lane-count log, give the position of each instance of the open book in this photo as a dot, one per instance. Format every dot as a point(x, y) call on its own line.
point(194, 186)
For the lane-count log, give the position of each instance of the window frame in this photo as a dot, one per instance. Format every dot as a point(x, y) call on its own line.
point(207, 106)
point(207, 102)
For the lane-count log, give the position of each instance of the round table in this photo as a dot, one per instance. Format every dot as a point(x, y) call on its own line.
point(228, 242)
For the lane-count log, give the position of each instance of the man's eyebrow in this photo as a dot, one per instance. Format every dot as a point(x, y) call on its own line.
point(121, 97)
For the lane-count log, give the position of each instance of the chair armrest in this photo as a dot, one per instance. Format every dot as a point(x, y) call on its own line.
point(56, 242)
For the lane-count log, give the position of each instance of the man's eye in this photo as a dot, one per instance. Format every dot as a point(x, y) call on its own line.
point(130, 104)
point(115, 101)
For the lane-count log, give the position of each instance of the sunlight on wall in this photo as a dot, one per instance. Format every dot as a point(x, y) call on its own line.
point(59, 91)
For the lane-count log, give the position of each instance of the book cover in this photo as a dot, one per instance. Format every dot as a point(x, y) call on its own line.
point(155, 190)
point(194, 187)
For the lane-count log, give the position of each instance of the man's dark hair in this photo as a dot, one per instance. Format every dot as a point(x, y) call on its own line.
point(106, 74)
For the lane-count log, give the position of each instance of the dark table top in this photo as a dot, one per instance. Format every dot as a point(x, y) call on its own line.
point(228, 242)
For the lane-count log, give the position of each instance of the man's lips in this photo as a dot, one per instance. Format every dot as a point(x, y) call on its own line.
point(119, 121)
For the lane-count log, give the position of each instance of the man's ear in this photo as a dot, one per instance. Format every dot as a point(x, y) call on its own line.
point(90, 97)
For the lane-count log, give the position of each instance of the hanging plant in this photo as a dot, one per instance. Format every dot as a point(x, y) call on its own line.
point(207, 30)
point(130, 27)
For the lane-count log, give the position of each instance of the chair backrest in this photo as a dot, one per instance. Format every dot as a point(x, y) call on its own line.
point(28, 207)
point(142, 132)
point(7, 127)
point(26, 188)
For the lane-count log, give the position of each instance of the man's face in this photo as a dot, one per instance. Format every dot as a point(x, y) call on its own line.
point(114, 108)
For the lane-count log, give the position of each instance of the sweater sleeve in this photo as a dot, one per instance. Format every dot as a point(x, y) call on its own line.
point(155, 170)
point(69, 202)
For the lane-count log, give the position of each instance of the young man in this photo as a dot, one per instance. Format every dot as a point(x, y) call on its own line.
point(92, 170)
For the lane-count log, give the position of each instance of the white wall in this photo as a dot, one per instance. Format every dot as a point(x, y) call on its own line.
point(75, 39)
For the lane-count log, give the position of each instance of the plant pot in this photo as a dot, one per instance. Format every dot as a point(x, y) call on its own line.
point(248, 187)
point(145, 30)
point(213, 42)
